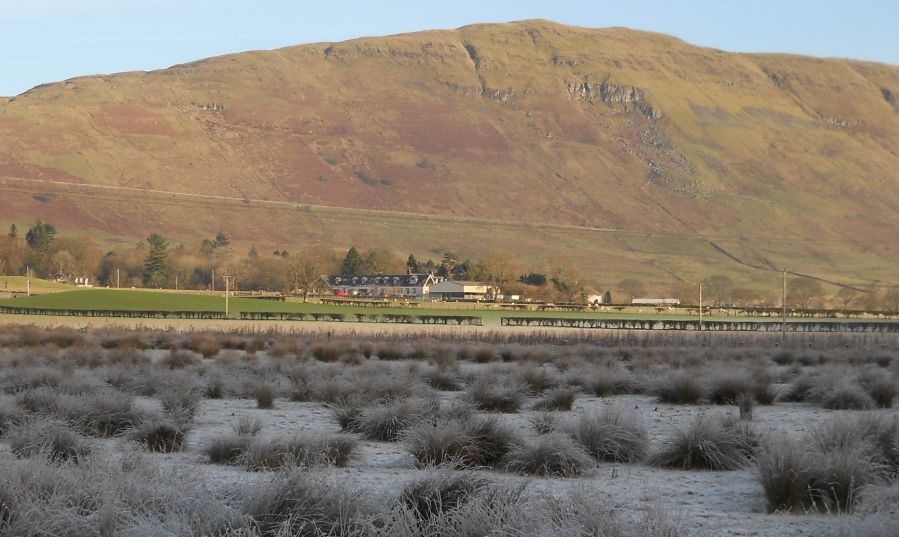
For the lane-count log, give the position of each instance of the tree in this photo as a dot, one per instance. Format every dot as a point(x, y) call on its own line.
point(847, 296)
point(568, 280)
point(447, 265)
point(496, 270)
point(221, 241)
point(744, 297)
point(39, 239)
point(380, 262)
point(632, 288)
point(308, 271)
point(534, 278)
point(13, 232)
point(412, 264)
point(607, 297)
point(803, 292)
point(156, 270)
point(890, 300)
point(352, 264)
point(718, 288)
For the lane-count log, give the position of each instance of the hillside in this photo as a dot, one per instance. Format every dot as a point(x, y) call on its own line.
point(629, 152)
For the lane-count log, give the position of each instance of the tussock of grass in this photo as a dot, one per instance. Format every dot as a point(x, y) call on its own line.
point(552, 454)
point(319, 450)
point(472, 441)
point(53, 439)
point(301, 504)
point(682, 388)
point(706, 444)
point(161, 434)
point(265, 393)
point(560, 398)
point(440, 492)
point(610, 435)
point(725, 387)
point(496, 395)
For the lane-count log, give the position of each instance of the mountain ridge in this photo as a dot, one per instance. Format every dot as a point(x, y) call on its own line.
point(530, 122)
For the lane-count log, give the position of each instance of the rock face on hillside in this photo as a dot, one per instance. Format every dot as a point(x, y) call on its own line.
point(525, 122)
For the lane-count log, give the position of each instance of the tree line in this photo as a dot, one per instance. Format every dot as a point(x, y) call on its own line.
point(159, 263)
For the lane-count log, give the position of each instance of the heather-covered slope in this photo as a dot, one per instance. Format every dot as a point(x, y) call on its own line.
point(777, 160)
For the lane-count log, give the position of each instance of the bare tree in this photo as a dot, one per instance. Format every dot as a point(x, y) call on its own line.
point(308, 270)
point(718, 288)
point(803, 292)
point(497, 270)
point(632, 288)
point(568, 280)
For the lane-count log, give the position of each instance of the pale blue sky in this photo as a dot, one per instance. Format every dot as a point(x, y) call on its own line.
point(50, 40)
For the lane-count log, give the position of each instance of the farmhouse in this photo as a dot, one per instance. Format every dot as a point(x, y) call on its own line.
point(655, 302)
point(455, 290)
point(376, 285)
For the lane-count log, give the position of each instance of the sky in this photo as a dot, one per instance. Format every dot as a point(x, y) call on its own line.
point(51, 40)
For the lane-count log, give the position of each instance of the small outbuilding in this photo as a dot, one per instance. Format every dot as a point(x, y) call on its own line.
point(460, 290)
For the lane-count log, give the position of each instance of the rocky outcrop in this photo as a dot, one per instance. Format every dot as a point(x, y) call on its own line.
point(614, 94)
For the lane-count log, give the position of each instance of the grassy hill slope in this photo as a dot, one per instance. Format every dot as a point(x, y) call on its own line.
point(643, 154)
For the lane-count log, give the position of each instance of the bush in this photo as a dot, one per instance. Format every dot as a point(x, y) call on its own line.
point(710, 444)
point(561, 398)
point(161, 434)
point(880, 387)
point(494, 395)
point(552, 454)
point(264, 393)
point(181, 400)
point(49, 438)
point(682, 388)
point(611, 435)
point(208, 346)
point(472, 441)
point(484, 355)
point(176, 359)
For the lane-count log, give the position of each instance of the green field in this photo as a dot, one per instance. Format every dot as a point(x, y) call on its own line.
point(18, 284)
point(137, 300)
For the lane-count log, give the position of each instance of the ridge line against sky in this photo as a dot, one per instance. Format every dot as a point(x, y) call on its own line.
point(51, 40)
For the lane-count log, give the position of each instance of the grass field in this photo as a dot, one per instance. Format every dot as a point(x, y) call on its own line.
point(141, 300)
point(18, 284)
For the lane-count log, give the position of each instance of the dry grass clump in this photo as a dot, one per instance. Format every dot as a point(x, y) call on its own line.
point(440, 492)
point(265, 393)
point(319, 450)
point(10, 416)
point(181, 400)
point(179, 359)
point(724, 388)
point(230, 449)
point(53, 439)
point(551, 455)
point(544, 422)
point(611, 435)
point(707, 444)
point(560, 398)
point(493, 394)
point(466, 441)
point(484, 355)
point(841, 395)
point(303, 504)
point(680, 388)
point(607, 381)
point(386, 422)
point(162, 434)
point(207, 346)
point(829, 471)
point(880, 386)
point(442, 378)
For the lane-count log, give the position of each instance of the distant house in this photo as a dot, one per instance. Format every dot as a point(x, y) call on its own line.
point(383, 286)
point(460, 290)
point(655, 302)
point(594, 299)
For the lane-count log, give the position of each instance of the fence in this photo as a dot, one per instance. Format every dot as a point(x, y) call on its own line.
point(710, 326)
point(130, 314)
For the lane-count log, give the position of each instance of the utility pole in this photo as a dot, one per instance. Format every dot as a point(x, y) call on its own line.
point(226, 277)
point(700, 305)
point(213, 280)
point(176, 282)
point(783, 322)
point(118, 281)
point(28, 281)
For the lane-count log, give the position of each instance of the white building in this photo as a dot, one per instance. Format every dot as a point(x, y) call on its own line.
point(655, 302)
point(456, 290)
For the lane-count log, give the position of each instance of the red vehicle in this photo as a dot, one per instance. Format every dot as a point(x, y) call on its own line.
point(341, 294)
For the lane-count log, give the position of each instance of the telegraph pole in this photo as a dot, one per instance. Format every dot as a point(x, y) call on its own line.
point(118, 281)
point(213, 280)
point(226, 294)
point(28, 281)
point(700, 305)
point(783, 322)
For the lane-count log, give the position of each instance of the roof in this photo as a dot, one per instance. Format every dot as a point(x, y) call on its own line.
point(454, 284)
point(381, 280)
